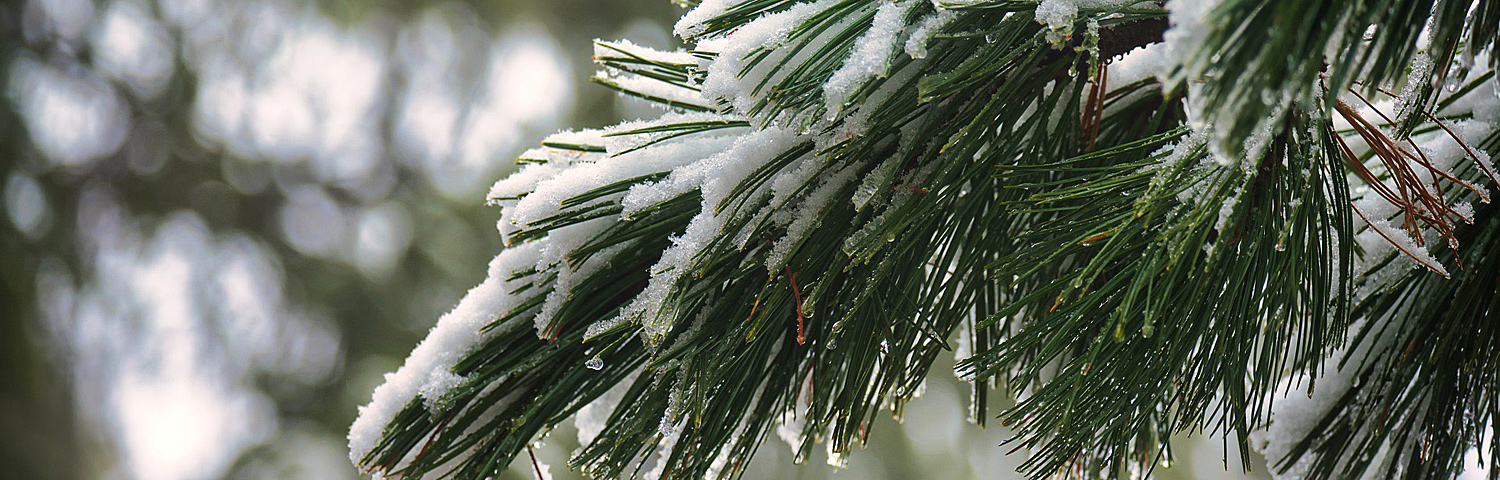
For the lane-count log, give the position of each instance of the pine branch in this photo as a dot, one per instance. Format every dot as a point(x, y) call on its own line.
point(843, 185)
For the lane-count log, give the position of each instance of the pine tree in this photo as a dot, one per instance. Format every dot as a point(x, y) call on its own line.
point(1265, 218)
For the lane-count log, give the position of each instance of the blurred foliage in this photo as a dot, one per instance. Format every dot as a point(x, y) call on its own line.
point(43, 436)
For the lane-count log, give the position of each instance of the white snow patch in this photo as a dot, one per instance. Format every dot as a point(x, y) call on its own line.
point(917, 40)
point(1294, 416)
point(714, 177)
point(691, 24)
point(428, 372)
point(808, 215)
point(870, 56)
point(767, 32)
point(590, 420)
point(1059, 15)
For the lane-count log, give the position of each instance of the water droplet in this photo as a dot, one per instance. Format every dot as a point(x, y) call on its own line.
point(1147, 330)
point(594, 363)
point(838, 459)
point(988, 38)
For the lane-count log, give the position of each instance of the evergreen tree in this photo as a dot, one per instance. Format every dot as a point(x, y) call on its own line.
point(1265, 218)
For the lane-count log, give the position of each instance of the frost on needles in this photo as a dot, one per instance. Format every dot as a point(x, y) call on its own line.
point(1268, 219)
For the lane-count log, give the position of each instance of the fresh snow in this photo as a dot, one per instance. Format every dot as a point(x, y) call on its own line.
point(613, 48)
point(1299, 412)
point(1059, 15)
point(715, 162)
point(591, 418)
point(870, 57)
point(714, 177)
point(428, 372)
point(916, 40)
point(808, 215)
point(691, 24)
point(724, 81)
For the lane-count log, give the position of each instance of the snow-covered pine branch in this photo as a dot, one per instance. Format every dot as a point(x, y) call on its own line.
point(1142, 217)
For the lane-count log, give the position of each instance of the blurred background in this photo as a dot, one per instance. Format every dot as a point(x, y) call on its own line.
point(224, 220)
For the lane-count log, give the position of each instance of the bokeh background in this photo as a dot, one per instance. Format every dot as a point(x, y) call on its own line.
point(224, 220)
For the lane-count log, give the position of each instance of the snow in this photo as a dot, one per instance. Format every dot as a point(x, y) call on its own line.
point(1387, 236)
point(544, 472)
point(877, 180)
point(869, 58)
point(1381, 238)
point(428, 372)
point(1421, 72)
point(856, 122)
point(618, 139)
point(1296, 414)
point(808, 215)
point(567, 274)
point(767, 32)
point(613, 48)
point(590, 419)
point(1140, 64)
point(917, 39)
point(547, 197)
point(714, 177)
point(1181, 42)
point(1059, 15)
point(716, 162)
point(651, 88)
point(691, 25)
point(547, 163)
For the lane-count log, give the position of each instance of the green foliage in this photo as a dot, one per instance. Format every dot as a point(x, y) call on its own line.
point(1120, 278)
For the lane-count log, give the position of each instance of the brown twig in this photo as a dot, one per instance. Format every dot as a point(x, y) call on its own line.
point(797, 294)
